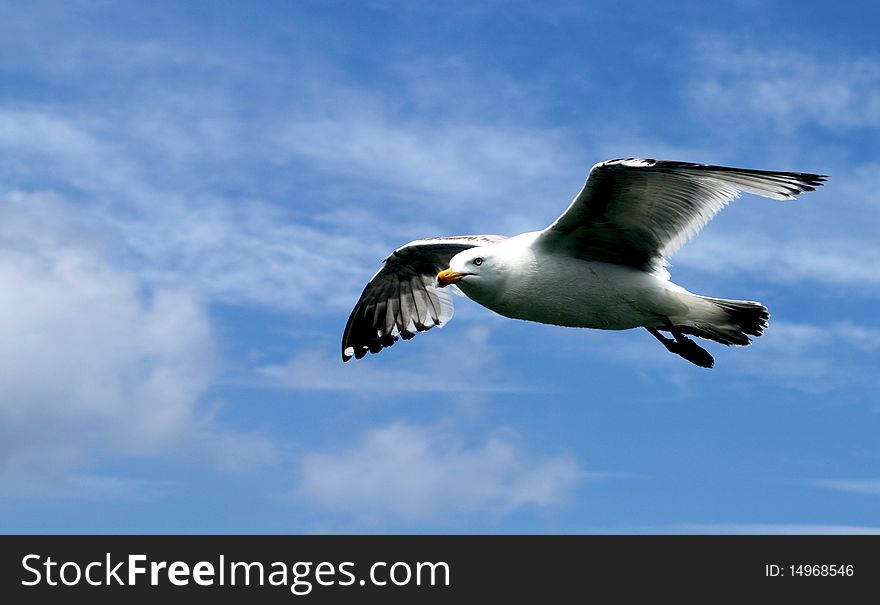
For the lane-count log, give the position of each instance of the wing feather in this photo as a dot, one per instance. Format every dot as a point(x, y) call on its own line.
point(640, 211)
point(401, 299)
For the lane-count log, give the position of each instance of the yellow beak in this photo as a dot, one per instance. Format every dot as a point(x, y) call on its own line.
point(448, 276)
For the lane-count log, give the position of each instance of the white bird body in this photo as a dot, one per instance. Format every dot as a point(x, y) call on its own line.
point(600, 265)
point(591, 294)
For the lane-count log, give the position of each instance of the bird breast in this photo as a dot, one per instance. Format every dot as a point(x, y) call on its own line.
point(566, 291)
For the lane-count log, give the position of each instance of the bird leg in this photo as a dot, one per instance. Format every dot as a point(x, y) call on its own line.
point(683, 346)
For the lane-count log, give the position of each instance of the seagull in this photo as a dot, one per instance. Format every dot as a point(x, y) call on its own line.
point(601, 265)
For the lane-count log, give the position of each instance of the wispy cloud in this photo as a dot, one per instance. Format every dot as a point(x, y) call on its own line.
point(810, 358)
point(450, 363)
point(833, 261)
point(771, 528)
point(438, 139)
point(412, 473)
point(786, 89)
point(804, 357)
point(241, 251)
point(453, 161)
point(852, 486)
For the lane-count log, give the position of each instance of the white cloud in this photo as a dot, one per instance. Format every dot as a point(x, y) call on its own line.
point(95, 363)
point(50, 148)
point(786, 89)
point(240, 251)
point(422, 473)
point(805, 357)
point(437, 140)
point(852, 486)
point(771, 529)
point(457, 360)
point(251, 253)
point(792, 258)
point(452, 161)
point(813, 358)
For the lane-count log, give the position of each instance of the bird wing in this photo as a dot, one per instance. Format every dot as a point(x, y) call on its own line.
point(639, 211)
point(401, 299)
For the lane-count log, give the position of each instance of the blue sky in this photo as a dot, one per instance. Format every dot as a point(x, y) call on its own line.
point(192, 196)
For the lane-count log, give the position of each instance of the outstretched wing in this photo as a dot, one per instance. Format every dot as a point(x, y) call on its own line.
point(639, 211)
point(401, 299)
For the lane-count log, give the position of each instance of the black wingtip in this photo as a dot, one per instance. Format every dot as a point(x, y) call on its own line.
point(808, 180)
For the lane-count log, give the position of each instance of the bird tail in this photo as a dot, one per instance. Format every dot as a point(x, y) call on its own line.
point(729, 322)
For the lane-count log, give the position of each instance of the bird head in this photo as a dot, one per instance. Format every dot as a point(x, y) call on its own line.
point(470, 265)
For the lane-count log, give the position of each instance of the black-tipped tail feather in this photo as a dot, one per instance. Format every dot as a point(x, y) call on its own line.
point(738, 320)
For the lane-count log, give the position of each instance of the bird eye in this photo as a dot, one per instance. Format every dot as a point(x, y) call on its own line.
point(478, 261)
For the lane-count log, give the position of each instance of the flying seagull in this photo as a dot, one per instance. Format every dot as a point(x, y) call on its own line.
point(599, 265)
